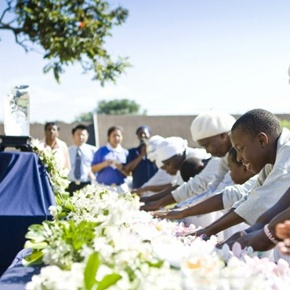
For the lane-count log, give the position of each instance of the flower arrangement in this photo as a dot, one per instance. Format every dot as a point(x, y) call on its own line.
point(57, 174)
point(99, 239)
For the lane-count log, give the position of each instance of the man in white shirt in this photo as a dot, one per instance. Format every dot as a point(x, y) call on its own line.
point(81, 155)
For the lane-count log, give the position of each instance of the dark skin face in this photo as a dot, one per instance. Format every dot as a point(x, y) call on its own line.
point(217, 145)
point(143, 134)
point(239, 172)
point(253, 151)
point(173, 164)
point(51, 133)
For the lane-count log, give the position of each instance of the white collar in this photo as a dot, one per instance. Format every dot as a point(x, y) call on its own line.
point(119, 148)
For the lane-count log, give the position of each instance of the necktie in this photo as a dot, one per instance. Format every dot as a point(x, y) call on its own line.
point(77, 170)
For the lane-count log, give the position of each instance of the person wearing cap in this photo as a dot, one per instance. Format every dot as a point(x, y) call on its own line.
point(138, 165)
point(210, 130)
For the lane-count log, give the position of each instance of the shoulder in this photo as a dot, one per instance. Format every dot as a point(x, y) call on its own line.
point(90, 147)
point(61, 143)
point(199, 153)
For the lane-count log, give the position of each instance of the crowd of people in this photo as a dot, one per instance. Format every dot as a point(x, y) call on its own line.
point(235, 184)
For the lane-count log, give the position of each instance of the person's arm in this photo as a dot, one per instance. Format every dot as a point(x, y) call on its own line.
point(99, 166)
point(258, 239)
point(157, 204)
point(153, 188)
point(211, 204)
point(278, 207)
point(158, 195)
point(226, 221)
point(130, 166)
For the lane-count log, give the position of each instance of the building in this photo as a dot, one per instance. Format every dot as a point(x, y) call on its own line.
point(165, 126)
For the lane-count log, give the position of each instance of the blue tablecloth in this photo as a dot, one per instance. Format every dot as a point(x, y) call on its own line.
point(25, 196)
point(16, 276)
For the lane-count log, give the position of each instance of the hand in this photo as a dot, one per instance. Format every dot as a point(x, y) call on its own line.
point(143, 150)
point(284, 247)
point(170, 215)
point(150, 206)
point(283, 230)
point(257, 240)
point(138, 191)
point(109, 162)
point(146, 199)
point(231, 240)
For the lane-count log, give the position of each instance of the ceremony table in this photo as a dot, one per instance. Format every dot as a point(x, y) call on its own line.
point(25, 196)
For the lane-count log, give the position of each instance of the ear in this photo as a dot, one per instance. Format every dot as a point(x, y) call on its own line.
point(199, 167)
point(263, 139)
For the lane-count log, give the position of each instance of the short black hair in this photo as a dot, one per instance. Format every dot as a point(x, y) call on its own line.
point(256, 121)
point(190, 167)
point(48, 124)
point(79, 127)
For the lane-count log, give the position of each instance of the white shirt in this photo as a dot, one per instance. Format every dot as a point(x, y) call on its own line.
point(87, 152)
point(271, 183)
point(215, 169)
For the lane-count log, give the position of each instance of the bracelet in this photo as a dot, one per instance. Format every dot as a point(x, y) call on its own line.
point(269, 235)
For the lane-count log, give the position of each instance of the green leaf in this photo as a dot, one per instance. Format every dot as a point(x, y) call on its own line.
point(91, 269)
point(34, 258)
point(34, 245)
point(108, 281)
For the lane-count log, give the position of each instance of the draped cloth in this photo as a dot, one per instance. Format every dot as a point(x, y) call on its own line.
point(25, 196)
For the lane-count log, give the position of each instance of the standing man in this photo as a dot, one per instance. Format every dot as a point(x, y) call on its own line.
point(81, 155)
point(53, 143)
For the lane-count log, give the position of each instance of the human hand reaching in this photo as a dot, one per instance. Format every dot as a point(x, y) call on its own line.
point(170, 215)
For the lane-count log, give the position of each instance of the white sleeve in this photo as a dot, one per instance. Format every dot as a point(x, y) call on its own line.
point(199, 183)
point(235, 194)
point(159, 178)
point(261, 198)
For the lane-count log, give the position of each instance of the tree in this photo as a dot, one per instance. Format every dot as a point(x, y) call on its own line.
point(113, 107)
point(117, 107)
point(67, 31)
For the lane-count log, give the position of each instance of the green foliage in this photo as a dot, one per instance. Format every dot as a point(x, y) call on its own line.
point(68, 31)
point(66, 238)
point(113, 107)
point(90, 273)
point(118, 107)
point(85, 117)
point(285, 123)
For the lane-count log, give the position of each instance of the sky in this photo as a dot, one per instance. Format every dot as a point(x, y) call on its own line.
point(187, 56)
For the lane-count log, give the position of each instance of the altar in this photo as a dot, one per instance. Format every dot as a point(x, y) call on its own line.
point(25, 196)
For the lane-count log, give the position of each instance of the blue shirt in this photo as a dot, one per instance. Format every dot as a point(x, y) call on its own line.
point(110, 175)
point(144, 170)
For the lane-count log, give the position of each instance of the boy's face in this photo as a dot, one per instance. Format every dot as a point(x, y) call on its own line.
point(250, 150)
point(239, 172)
point(80, 137)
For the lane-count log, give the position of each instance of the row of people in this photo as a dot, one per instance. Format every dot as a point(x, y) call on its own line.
point(263, 147)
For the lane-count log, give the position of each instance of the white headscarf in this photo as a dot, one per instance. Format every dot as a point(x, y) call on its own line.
point(171, 146)
point(151, 148)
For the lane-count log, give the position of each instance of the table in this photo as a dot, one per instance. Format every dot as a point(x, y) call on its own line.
point(25, 196)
